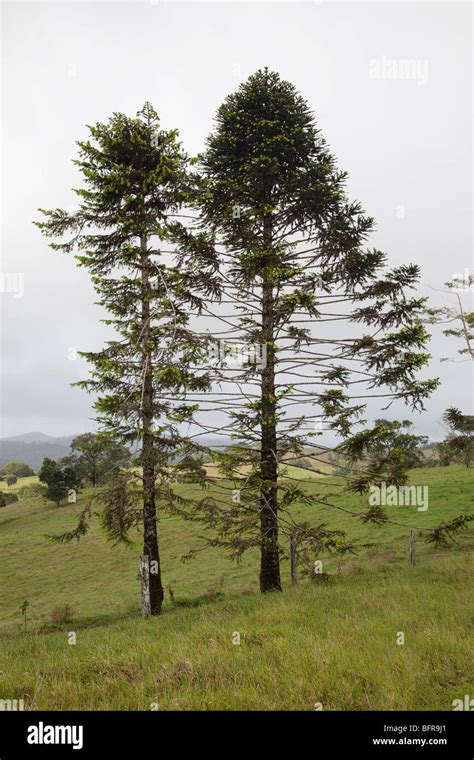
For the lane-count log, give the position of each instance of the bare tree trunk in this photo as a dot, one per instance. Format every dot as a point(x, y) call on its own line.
point(269, 551)
point(150, 538)
point(145, 585)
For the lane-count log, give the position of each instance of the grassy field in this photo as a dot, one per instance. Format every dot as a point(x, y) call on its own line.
point(332, 643)
point(15, 487)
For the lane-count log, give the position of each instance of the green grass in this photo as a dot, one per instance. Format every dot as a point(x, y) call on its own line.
point(333, 643)
point(19, 484)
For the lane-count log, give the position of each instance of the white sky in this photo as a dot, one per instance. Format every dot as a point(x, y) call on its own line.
point(405, 143)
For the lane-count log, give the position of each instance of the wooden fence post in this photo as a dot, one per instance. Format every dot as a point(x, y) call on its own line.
point(294, 556)
point(412, 547)
point(145, 585)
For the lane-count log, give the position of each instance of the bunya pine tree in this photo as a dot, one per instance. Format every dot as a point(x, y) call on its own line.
point(136, 178)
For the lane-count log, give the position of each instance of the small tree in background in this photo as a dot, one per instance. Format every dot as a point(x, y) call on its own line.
point(11, 480)
point(459, 445)
point(20, 469)
point(99, 456)
point(394, 436)
point(57, 489)
point(59, 478)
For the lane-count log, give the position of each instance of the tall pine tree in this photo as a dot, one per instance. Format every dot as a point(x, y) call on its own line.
point(136, 179)
point(333, 325)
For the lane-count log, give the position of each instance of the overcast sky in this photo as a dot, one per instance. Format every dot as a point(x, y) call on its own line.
point(401, 130)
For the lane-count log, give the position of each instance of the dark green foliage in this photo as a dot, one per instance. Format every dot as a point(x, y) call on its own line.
point(7, 498)
point(459, 445)
point(19, 469)
point(59, 478)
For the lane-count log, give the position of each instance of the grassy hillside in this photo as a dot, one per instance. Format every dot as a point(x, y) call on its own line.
point(333, 643)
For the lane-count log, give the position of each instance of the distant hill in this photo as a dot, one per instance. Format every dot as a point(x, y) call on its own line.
point(32, 448)
point(37, 437)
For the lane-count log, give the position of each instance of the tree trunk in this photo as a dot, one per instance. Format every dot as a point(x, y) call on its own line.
point(150, 538)
point(145, 585)
point(269, 551)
